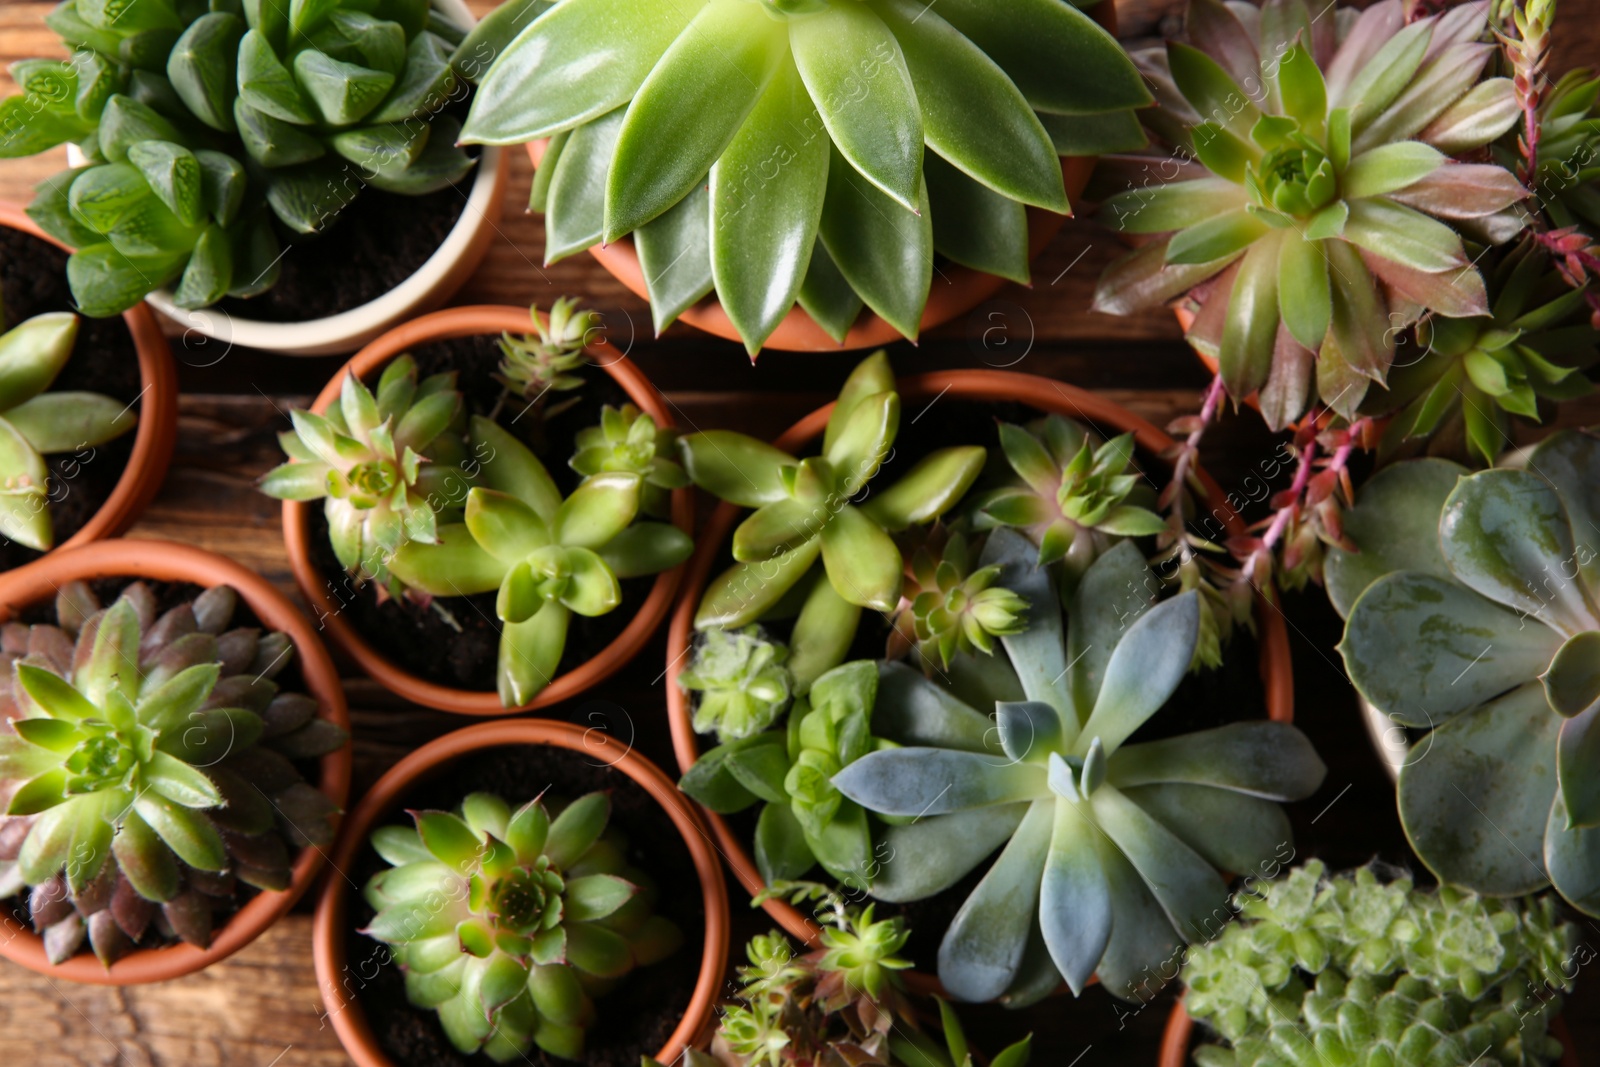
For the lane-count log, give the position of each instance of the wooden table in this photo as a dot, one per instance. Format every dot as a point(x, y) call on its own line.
point(262, 1007)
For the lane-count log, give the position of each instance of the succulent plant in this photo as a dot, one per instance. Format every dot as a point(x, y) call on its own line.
point(547, 557)
point(1470, 612)
point(1350, 969)
point(949, 607)
point(774, 151)
point(388, 466)
point(1314, 167)
point(1076, 497)
point(532, 366)
point(182, 107)
point(741, 680)
point(1111, 849)
point(804, 507)
point(804, 820)
point(509, 923)
point(1474, 374)
point(627, 441)
point(1569, 151)
point(35, 423)
point(146, 767)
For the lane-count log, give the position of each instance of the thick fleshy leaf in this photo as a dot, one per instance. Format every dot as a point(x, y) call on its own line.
point(912, 710)
point(188, 833)
point(1270, 760)
point(597, 511)
point(646, 548)
point(983, 947)
point(929, 489)
point(1037, 652)
point(453, 565)
point(1572, 859)
point(1475, 794)
point(1209, 89)
point(1301, 88)
point(745, 592)
point(734, 467)
point(1486, 111)
point(883, 250)
point(1174, 206)
point(577, 214)
point(1250, 332)
point(1373, 84)
point(1149, 661)
point(201, 68)
point(1359, 336)
point(975, 226)
point(1577, 760)
point(32, 353)
point(591, 587)
point(24, 510)
point(1457, 294)
point(827, 297)
point(342, 93)
point(1094, 135)
point(675, 255)
point(1218, 237)
point(1187, 887)
point(181, 783)
point(1075, 912)
point(1408, 237)
point(822, 634)
point(504, 526)
point(932, 781)
point(863, 563)
point(921, 858)
point(1568, 460)
point(1389, 167)
point(689, 110)
point(1463, 191)
point(1230, 831)
point(577, 828)
point(1395, 524)
point(506, 465)
point(781, 851)
point(1305, 299)
point(1143, 940)
point(860, 440)
point(530, 653)
point(1572, 682)
point(1144, 279)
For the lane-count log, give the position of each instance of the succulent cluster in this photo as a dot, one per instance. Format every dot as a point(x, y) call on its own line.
point(741, 680)
point(509, 922)
point(1313, 205)
point(949, 607)
point(147, 767)
point(627, 441)
point(35, 423)
point(1471, 612)
point(1349, 969)
point(775, 151)
point(202, 123)
point(534, 365)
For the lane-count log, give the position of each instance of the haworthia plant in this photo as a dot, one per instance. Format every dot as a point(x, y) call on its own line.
point(818, 151)
point(1473, 611)
point(1111, 850)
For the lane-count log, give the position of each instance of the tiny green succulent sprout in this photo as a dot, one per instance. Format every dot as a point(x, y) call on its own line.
point(741, 682)
point(35, 423)
point(1076, 498)
point(388, 466)
point(805, 509)
point(147, 768)
point(548, 557)
point(1472, 611)
point(548, 360)
point(509, 923)
point(1111, 847)
point(628, 441)
point(1352, 969)
point(950, 608)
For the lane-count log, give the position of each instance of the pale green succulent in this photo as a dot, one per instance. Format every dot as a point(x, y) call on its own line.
point(741, 682)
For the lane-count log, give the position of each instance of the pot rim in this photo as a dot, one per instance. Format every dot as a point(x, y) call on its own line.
point(956, 289)
point(157, 431)
point(328, 931)
point(1043, 394)
point(170, 561)
point(469, 321)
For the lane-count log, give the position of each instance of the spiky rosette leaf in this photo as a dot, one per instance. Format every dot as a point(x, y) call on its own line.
point(548, 360)
point(1316, 213)
point(741, 680)
point(509, 923)
point(797, 169)
point(949, 607)
point(147, 768)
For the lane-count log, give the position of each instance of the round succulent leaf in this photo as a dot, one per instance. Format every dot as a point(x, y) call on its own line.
point(1395, 524)
point(1578, 767)
point(1570, 461)
point(32, 353)
point(504, 526)
point(983, 947)
point(1145, 667)
point(646, 548)
point(1029, 730)
point(781, 849)
point(1572, 859)
point(591, 587)
point(1270, 760)
point(415, 920)
point(557, 993)
point(1572, 682)
point(520, 596)
point(125, 122)
point(597, 511)
point(1075, 913)
point(910, 709)
point(862, 440)
point(862, 561)
point(454, 565)
point(503, 979)
point(778, 528)
point(734, 467)
point(1189, 890)
point(508, 466)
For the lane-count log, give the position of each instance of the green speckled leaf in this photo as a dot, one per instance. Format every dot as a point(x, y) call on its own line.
point(1571, 462)
point(1395, 523)
point(1572, 858)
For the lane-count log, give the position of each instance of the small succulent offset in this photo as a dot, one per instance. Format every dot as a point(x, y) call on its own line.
point(804, 506)
point(35, 423)
point(146, 767)
point(1314, 196)
point(532, 366)
point(774, 150)
point(628, 441)
point(1349, 969)
point(1076, 498)
point(1111, 850)
point(548, 557)
point(1471, 611)
point(388, 466)
point(950, 608)
point(509, 923)
point(741, 680)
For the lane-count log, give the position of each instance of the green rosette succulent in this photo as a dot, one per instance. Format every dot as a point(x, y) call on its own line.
point(203, 122)
point(146, 768)
point(1471, 612)
point(1569, 151)
point(1109, 851)
point(1313, 198)
point(35, 422)
point(509, 923)
point(950, 608)
point(741, 682)
point(532, 366)
point(1350, 969)
point(774, 150)
point(547, 557)
point(388, 466)
point(627, 441)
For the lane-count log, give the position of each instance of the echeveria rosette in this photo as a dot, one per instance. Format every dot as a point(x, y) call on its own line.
point(388, 466)
point(35, 423)
point(173, 102)
point(1110, 852)
point(627, 441)
point(950, 607)
point(1351, 969)
point(1471, 611)
point(509, 923)
point(741, 682)
point(1316, 209)
point(548, 557)
point(775, 150)
point(145, 764)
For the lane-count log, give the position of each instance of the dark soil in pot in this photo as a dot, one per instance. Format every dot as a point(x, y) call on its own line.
point(33, 280)
point(460, 650)
point(633, 1020)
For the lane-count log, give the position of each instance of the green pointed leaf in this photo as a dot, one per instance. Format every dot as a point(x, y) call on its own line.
point(576, 829)
point(266, 85)
point(32, 354)
point(504, 526)
point(427, 82)
point(646, 548)
point(1390, 167)
point(1305, 296)
point(1216, 238)
point(933, 781)
point(781, 849)
point(530, 653)
point(883, 251)
point(342, 93)
point(201, 68)
point(1209, 89)
point(506, 465)
point(745, 592)
point(1408, 237)
point(734, 467)
point(1270, 760)
point(173, 174)
point(189, 834)
point(1577, 755)
point(1187, 887)
point(1094, 135)
point(827, 297)
point(597, 511)
point(863, 563)
point(929, 855)
point(125, 122)
point(592, 589)
point(675, 255)
point(1146, 666)
point(1230, 831)
point(1175, 206)
point(180, 783)
point(1305, 97)
point(930, 489)
point(576, 218)
point(975, 226)
point(454, 565)
point(1074, 898)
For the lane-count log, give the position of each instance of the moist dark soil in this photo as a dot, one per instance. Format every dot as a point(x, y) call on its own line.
point(455, 640)
point(633, 1020)
point(1232, 692)
point(33, 280)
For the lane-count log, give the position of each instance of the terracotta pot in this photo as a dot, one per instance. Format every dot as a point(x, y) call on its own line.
point(157, 432)
point(328, 934)
point(165, 561)
point(980, 386)
point(956, 289)
point(443, 326)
